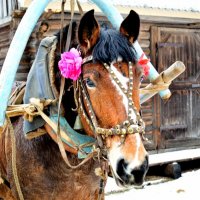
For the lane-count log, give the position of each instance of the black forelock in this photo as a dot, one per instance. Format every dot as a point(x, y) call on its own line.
point(111, 46)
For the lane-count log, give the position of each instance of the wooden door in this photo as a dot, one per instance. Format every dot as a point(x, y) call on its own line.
point(178, 120)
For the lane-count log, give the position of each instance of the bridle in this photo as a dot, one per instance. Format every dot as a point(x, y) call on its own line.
point(129, 126)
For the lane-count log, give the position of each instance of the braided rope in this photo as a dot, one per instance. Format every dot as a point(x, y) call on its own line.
point(14, 165)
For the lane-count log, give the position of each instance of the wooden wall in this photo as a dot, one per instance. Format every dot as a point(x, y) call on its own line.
point(5, 30)
point(179, 120)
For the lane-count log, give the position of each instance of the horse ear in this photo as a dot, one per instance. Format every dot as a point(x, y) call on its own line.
point(130, 27)
point(88, 31)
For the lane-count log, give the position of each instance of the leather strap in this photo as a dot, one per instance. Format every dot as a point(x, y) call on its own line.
point(59, 141)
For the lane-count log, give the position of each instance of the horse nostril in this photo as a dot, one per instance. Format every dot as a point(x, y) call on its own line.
point(145, 164)
point(140, 172)
point(121, 167)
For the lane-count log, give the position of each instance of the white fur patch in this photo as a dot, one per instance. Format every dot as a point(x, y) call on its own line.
point(124, 81)
point(136, 162)
point(114, 156)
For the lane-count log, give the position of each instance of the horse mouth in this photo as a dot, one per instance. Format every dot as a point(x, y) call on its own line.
point(131, 182)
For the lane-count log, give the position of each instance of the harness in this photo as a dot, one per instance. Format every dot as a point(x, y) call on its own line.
point(129, 126)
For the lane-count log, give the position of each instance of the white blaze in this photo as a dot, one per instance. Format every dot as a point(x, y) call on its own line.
point(124, 81)
point(136, 162)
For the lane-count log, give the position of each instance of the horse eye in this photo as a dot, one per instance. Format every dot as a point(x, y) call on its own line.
point(90, 83)
point(123, 73)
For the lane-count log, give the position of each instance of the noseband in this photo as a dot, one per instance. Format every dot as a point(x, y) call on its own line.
point(129, 126)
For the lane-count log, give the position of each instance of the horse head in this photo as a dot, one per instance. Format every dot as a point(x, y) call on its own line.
point(110, 82)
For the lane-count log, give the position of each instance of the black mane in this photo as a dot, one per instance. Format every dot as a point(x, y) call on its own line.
point(111, 46)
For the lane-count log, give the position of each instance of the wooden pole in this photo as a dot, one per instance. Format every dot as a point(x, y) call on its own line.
point(163, 80)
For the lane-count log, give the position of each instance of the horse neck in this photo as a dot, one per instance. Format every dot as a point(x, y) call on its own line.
point(44, 149)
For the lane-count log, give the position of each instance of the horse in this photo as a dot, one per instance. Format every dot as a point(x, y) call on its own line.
point(110, 81)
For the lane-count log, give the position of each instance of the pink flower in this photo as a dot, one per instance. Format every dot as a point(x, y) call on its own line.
point(143, 62)
point(70, 64)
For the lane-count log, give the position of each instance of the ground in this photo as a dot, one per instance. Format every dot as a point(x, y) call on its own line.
point(158, 188)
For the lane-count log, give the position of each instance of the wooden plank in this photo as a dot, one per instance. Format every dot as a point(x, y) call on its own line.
point(21, 77)
point(157, 121)
point(4, 39)
point(144, 27)
point(144, 35)
point(168, 157)
point(3, 52)
point(148, 122)
point(4, 46)
point(144, 43)
point(23, 69)
point(146, 51)
point(5, 30)
point(176, 21)
point(173, 127)
point(154, 40)
point(147, 105)
point(180, 143)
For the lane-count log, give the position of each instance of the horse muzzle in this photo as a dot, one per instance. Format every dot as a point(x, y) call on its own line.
point(126, 176)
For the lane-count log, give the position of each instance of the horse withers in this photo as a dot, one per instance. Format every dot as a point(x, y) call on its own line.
point(108, 106)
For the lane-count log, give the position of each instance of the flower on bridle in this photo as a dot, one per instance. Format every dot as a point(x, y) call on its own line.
point(143, 63)
point(70, 64)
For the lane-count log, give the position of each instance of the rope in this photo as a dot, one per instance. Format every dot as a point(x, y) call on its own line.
point(36, 108)
point(154, 88)
point(102, 172)
point(14, 166)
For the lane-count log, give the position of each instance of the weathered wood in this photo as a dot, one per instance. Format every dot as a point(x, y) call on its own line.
point(154, 38)
point(173, 127)
point(4, 30)
point(145, 27)
point(168, 157)
point(180, 124)
point(144, 35)
point(156, 122)
point(179, 143)
point(144, 43)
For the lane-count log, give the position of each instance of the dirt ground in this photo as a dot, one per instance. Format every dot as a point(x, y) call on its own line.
point(186, 187)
